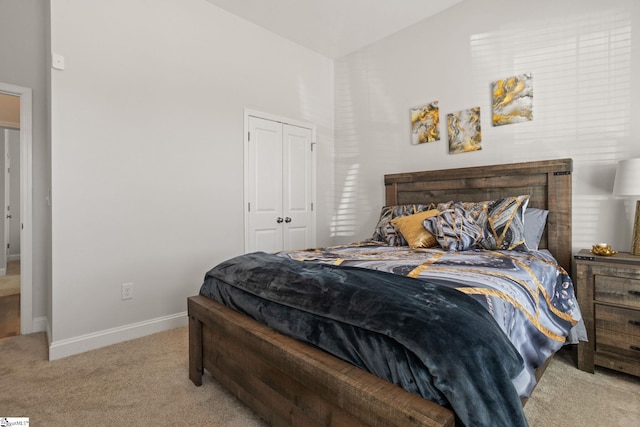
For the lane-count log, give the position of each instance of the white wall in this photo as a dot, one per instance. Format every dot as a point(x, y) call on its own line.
point(584, 57)
point(147, 154)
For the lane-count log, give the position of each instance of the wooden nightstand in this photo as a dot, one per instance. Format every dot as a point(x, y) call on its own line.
point(608, 291)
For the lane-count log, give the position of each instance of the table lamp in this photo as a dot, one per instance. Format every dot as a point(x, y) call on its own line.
point(627, 183)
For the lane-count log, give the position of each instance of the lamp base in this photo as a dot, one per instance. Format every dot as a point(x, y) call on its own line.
point(635, 244)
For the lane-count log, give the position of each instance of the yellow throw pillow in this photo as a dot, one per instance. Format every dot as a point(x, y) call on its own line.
point(414, 232)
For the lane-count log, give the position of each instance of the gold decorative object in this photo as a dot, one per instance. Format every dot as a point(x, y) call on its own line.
point(627, 183)
point(602, 249)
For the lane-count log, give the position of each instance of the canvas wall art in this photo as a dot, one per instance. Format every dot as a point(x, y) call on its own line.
point(512, 100)
point(425, 123)
point(464, 131)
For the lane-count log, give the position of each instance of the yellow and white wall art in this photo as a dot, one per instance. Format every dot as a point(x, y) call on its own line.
point(425, 123)
point(464, 130)
point(512, 100)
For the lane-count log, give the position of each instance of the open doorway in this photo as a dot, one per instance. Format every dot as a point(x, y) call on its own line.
point(16, 306)
point(10, 230)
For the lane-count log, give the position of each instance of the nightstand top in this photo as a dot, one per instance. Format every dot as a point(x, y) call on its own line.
point(620, 257)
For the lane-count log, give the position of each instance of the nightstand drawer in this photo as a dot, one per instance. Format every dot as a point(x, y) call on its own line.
point(627, 346)
point(617, 319)
point(617, 290)
point(608, 290)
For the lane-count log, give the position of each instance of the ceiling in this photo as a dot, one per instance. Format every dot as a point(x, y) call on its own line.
point(334, 28)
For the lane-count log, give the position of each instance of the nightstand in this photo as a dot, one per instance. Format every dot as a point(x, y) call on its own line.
point(608, 290)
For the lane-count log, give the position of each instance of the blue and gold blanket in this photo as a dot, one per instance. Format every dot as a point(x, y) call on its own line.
point(429, 339)
point(416, 327)
point(528, 294)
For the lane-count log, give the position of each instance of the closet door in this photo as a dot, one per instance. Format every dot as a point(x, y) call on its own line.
point(297, 188)
point(280, 187)
point(265, 216)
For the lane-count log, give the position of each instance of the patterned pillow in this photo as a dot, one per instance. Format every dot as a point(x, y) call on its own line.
point(502, 221)
point(412, 230)
point(475, 210)
point(455, 229)
point(504, 226)
point(386, 232)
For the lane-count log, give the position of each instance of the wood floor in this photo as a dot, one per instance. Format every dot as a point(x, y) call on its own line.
point(10, 301)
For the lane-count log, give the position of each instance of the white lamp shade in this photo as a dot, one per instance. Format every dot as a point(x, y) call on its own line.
point(627, 181)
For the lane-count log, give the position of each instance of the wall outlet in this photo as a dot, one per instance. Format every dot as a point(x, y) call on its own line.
point(127, 291)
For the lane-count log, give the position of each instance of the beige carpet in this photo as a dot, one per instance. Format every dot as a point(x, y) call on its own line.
point(144, 382)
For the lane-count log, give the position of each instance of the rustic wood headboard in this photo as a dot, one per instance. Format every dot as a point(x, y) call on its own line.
point(547, 182)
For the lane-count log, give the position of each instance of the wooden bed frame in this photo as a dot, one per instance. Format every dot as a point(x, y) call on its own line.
point(287, 382)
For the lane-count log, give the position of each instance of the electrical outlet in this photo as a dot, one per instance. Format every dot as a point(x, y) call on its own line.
point(127, 291)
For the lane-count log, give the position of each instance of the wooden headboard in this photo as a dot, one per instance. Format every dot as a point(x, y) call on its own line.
point(548, 183)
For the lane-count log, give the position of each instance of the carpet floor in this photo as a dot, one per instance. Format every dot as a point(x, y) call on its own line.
point(144, 382)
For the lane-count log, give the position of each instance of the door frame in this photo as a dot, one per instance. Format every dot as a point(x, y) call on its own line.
point(26, 205)
point(274, 118)
point(4, 254)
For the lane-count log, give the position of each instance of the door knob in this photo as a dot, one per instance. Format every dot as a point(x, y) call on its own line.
point(279, 220)
point(287, 220)
point(9, 216)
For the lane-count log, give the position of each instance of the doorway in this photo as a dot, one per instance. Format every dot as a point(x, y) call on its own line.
point(10, 232)
point(23, 229)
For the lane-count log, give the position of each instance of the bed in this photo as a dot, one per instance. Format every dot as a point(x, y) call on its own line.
point(288, 382)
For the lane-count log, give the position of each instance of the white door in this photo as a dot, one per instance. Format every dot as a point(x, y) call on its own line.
point(265, 185)
point(297, 188)
point(280, 186)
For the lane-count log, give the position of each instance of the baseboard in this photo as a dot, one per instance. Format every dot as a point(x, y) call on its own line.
point(40, 324)
point(76, 345)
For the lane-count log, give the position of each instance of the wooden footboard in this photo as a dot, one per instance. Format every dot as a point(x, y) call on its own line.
point(290, 383)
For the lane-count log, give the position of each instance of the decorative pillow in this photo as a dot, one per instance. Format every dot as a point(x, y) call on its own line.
point(386, 232)
point(502, 221)
point(411, 228)
point(455, 230)
point(504, 226)
point(475, 210)
point(534, 223)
